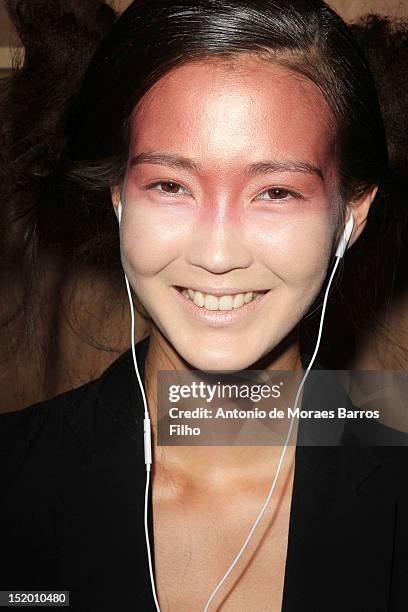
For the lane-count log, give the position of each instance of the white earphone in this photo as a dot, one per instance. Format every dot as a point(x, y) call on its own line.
point(340, 251)
point(345, 237)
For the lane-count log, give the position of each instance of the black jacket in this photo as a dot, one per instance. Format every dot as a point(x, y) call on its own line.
point(72, 500)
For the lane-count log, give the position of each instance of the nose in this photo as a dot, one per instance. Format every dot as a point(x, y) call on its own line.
point(218, 243)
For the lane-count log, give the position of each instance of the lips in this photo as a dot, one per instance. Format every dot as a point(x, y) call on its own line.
point(218, 318)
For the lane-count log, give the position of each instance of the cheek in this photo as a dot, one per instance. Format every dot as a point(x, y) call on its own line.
point(151, 238)
point(296, 248)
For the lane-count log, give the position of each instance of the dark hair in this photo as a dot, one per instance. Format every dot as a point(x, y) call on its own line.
point(152, 37)
point(378, 261)
point(59, 165)
point(59, 39)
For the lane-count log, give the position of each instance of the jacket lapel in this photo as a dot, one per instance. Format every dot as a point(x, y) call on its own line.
point(105, 558)
point(340, 546)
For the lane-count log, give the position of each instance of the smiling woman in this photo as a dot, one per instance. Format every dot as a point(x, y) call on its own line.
point(221, 182)
point(241, 147)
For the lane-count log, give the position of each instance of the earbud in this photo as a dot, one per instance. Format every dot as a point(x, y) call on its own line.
point(119, 211)
point(345, 237)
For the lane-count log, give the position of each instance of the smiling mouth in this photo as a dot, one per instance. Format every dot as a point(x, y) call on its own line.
point(207, 301)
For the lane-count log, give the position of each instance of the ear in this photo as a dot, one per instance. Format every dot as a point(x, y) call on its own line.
point(115, 196)
point(360, 209)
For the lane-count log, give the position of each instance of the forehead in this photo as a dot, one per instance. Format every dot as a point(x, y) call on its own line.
point(227, 110)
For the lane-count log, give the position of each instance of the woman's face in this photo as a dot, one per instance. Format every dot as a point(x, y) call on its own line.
point(230, 194)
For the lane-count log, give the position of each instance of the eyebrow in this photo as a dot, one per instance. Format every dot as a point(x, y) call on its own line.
point(254, 169)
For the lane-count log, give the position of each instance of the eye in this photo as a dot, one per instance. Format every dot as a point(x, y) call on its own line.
point(168, 187)
point(278, 193)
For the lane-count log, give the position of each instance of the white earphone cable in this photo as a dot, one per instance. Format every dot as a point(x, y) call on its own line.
point(147, 445)
point(147, 439)
point(231, 567)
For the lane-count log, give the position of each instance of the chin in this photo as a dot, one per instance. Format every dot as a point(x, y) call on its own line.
point(200, 358)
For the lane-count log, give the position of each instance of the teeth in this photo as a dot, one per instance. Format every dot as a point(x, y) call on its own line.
point(198, 298)
point(211, 302)
point(239, 300)
point(225, 302)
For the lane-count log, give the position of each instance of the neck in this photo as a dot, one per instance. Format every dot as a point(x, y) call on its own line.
point(223, 464)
